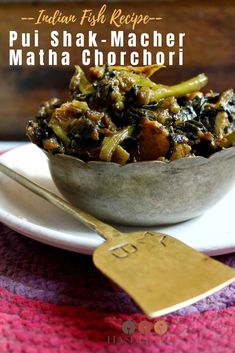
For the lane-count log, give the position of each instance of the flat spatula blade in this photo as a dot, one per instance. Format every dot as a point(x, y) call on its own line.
point(159, 272)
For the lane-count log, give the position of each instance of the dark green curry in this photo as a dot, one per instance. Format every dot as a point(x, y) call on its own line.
point(121, 115)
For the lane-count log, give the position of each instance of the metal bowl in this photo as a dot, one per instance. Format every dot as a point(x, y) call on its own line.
point(145, 193)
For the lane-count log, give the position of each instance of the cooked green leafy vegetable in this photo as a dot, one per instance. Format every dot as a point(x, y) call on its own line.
point(119, 114)
point(183, 88)
point(110, 144)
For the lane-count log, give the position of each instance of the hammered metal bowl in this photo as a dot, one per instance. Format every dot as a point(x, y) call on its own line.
point(145, 193)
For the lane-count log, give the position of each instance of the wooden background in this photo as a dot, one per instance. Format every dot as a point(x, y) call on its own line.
point(209, 47)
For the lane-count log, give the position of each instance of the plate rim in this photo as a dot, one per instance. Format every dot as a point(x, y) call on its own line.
point(58, 238)
point(38, 232)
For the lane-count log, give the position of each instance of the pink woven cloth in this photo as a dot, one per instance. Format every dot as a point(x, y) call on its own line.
point(32, 326)
point(53, 300)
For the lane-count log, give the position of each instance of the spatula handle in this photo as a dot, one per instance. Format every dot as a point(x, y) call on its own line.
point(103, 229)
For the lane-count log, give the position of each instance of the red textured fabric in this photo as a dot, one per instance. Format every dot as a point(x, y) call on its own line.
point(31, 326)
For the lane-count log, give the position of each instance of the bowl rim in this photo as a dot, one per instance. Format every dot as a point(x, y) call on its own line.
point(181, 162)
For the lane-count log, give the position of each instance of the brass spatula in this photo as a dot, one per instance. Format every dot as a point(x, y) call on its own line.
point(158, 271)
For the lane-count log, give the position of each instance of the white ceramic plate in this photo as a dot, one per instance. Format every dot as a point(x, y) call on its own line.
point(212, 233)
